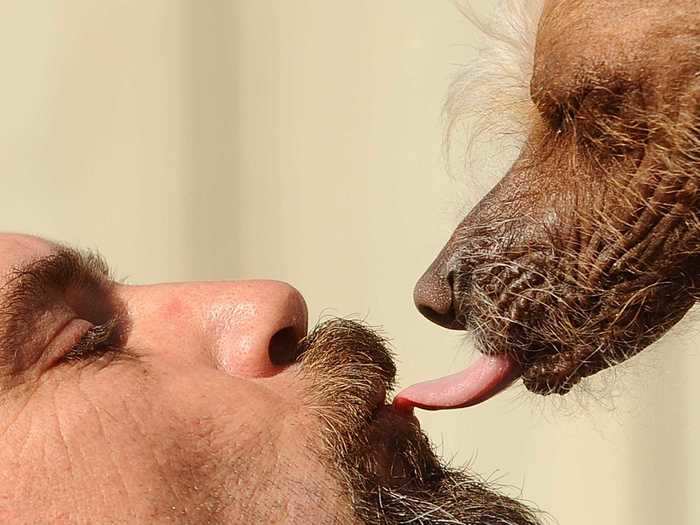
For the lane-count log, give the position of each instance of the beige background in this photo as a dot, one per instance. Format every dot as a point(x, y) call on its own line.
point(300, 140)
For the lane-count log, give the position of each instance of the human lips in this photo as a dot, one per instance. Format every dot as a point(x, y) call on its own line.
point(350, 373)
point(377, 451)
point(347, 367)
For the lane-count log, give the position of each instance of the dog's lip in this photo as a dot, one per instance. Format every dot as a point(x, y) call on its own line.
point(546, 374)
point(486, 377)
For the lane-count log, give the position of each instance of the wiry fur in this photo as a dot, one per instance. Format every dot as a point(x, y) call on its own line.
point(588, 250)
point(491, 96)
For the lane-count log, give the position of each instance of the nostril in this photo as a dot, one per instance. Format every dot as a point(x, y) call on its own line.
point(283, 349)
point(451, 280)
point(446, 319)
point(428, 312)
point(433, 297)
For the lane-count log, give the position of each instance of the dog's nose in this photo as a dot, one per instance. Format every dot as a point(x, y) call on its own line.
point(433, 295)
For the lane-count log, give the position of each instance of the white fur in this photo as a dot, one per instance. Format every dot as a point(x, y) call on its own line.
point(492, 94)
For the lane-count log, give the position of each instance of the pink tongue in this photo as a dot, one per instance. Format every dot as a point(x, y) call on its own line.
point(483, 379)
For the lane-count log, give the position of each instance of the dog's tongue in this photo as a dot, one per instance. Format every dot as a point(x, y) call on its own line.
point(483, 379)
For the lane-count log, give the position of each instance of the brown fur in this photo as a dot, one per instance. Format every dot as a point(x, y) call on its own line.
point(588, 249)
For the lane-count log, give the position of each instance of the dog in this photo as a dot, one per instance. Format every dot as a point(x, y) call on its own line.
point(588, 249)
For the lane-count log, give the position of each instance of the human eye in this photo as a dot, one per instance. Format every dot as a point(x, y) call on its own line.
point(58, 309)
point(97, 341)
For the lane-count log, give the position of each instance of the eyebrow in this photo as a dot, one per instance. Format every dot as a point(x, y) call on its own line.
point(36, 288)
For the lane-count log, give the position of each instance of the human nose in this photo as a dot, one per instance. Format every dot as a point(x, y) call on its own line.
point(249, 328)
point(257, 335)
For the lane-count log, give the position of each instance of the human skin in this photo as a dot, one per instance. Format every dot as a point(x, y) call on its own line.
point(201, 403)
point(143, 441)
point(588, 249)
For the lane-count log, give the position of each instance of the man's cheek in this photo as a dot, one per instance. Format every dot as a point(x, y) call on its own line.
point(76, 425)
point(22, 455)
point(54, 455)
point(193, 426)
point(82, 439)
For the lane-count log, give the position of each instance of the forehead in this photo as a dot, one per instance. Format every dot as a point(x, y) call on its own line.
point(624, 19)
point(624, 38)
point(17, 250)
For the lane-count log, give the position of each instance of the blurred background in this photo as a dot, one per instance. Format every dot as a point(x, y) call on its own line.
point(301, 140)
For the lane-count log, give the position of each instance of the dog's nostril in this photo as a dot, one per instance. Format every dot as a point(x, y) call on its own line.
point(283, 348)
point(433, 298)
point(451, 280)
point(446, 319)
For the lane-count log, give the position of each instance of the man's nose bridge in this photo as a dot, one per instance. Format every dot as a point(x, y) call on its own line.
point(246, 328)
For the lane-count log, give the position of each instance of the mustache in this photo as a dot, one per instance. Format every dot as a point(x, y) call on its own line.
point(346, 364)
point(381, 458)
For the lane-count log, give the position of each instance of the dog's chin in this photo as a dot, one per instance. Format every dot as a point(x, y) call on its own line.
point(556, 367)
point(552, 350)
point(559, 333)
point(555, 373)
point(547, 367)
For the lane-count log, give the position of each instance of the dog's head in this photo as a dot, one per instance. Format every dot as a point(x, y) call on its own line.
point(588, 249)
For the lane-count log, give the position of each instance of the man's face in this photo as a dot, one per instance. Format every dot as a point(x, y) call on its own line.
point(202, 403)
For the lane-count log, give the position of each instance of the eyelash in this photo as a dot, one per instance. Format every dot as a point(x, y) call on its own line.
point(565, 114)
point(99, 340)
point(560, 117)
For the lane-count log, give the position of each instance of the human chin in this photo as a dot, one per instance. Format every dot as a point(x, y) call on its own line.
point(378, 454)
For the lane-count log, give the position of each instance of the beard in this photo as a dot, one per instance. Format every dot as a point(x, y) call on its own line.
point(379, 456)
